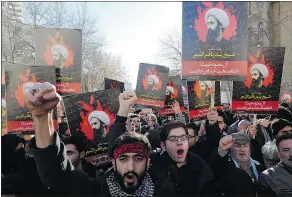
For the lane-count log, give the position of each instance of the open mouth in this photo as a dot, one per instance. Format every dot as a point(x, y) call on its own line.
point(130, 178)
point(180, 152)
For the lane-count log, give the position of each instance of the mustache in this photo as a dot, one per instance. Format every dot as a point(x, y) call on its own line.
point(290, 159)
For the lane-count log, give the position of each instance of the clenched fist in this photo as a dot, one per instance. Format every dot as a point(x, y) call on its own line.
point(41, 98)
point(225, 143)
point(127, 99)
point(212, 115)
point(252, 130)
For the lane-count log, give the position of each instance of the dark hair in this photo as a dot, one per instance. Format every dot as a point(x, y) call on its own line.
point(63, 126)
point(154, 138)
point(169, 126)
point(137, 111)
point(127, 138)
point(286, 105)
point(193, 126)
point(78, 141)
point(134, 116)
point(222, 114)
point(285, 136)
point(272, 117)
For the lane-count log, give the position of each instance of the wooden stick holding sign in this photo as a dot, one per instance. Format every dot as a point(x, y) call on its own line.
point(213, 95)
point(254, 123)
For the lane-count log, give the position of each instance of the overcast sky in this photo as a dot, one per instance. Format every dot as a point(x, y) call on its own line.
point(133, 28)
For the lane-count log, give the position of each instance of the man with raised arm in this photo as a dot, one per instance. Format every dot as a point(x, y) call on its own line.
point(131, 174)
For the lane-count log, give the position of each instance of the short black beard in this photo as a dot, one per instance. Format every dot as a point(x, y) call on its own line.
point(97, 134)
point(168, 100)
point(213, 34)
point(150, 87)
point(255, 83)
point(58, 63)
point(120, 179)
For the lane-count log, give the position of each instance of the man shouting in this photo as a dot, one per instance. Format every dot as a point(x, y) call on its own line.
point(130, 175)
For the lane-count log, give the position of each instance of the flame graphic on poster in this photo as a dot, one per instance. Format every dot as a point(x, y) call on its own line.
point(58, 41)
point(84, 124)
point(152, 71)
point(25, 81)
point(175, 94)
point(197, 88)
point(200, 23)
point(259, 58)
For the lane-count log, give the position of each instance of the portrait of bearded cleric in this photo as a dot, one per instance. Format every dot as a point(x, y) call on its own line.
point(258, 73)
point(169, 100)
point(59, 54)
point(217, 21)
point(99, 121)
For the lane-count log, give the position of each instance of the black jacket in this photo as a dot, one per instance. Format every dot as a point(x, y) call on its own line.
point(57, 172)
point(89, 169)
point(193, 179)
point(25, 182)
point(233, 181)
point(205, 147)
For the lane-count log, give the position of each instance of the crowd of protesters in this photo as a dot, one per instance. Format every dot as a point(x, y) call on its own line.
point(224, 155)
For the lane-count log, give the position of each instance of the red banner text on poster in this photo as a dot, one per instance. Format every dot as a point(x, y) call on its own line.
point(198, 113)
point(24, 126)
point(65, 87)
point(167, 111)
point(149, 102)
point(214, 68)
point(201, 113)
point(255, 106)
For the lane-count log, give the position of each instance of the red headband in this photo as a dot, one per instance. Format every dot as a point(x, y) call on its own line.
point(131, 148)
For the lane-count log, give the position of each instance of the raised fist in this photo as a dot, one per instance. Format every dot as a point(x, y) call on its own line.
point(41, 98)
point(212, 115)
point(127, 99)
point(225, 143)
point(252, 130)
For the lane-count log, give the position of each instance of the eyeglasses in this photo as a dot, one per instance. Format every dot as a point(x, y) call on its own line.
point(175, 138)
point(190, 136)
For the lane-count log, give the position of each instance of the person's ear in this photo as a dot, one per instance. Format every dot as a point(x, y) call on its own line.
point(148, 163)
point(162, 145)
point(278, 155)
point(114, 166)
point(82, 154)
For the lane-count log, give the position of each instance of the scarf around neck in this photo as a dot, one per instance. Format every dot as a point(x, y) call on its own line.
point(146, 189)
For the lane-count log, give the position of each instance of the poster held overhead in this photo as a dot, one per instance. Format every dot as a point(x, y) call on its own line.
point(200, 99)
point(61, 48)
point(214, 44)
point(151, 85)
point(111, 84)
point(173, 94)
point(185, 92)
point(91, 115)
point(20, 78)
point(259, 93)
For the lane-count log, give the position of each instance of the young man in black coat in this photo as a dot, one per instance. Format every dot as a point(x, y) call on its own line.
point(129, 177)
point(207, 144)
point(188, 173)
